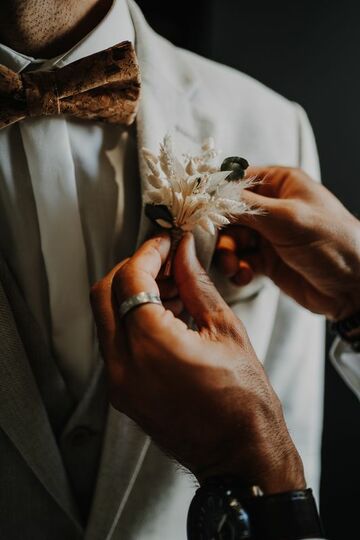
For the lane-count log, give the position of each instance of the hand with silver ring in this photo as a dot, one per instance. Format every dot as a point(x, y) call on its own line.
point(138, 300)
point(202, 395)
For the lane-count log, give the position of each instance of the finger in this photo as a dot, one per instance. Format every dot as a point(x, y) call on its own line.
point(100, 299)
point(237, 238)
point(246, 260)
point(231, 266)
point(268, 263)
point(271, 181)
point(234, 243)
point(271, 218)
point(225, 256)
point(170, 296)
point(227, 262)
point(140, 272)
point(244, 274)
point(111, 340)
point(139, 275)
point(263, 260)
point(268, 194)
point(266, 206)
point(276, 195)
point(199, 295)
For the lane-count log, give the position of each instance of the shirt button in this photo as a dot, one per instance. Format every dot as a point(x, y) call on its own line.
point(81, 435)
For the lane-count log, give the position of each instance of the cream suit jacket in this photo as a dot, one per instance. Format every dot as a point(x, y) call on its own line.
point(140, 494)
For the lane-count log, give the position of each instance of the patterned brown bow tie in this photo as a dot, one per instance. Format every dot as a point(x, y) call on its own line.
point(104, 86)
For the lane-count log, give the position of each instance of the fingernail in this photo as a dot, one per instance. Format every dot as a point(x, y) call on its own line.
point(226, 243)
point(163, 238)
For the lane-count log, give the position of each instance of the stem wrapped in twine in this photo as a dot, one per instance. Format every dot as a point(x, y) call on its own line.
point(176, 236)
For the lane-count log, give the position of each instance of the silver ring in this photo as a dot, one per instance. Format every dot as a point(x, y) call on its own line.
point(138, 300)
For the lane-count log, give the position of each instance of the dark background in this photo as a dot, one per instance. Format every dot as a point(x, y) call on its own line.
point(310, 53)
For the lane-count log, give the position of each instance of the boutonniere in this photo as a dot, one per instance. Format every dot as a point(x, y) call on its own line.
point(193, 191)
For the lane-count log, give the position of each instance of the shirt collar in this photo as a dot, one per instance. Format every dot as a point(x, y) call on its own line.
point(116, 26)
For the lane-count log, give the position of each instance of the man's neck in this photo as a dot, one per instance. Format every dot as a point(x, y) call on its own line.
point(47, 28)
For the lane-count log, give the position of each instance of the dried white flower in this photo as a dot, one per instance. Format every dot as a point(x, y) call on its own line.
point(193, 192)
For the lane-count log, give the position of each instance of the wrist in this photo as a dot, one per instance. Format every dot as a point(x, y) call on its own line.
point(259, 450)
point(285, 475)
point(277, 468)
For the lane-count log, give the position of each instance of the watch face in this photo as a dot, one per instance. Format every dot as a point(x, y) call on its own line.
point(217, 516)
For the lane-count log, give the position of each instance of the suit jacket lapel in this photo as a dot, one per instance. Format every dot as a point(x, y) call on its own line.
point(124, 450)
point(22, 414)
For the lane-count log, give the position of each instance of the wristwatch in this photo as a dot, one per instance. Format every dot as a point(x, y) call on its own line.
point(222, 509)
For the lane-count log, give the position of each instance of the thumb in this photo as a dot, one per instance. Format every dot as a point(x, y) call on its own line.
point(196, 290)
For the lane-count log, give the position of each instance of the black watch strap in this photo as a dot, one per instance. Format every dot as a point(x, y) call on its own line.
point(284, 516)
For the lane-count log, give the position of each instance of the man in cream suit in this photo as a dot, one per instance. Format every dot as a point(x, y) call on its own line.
point(70, 207)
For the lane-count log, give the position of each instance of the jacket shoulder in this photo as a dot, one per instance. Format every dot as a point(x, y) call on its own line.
point(230, 86)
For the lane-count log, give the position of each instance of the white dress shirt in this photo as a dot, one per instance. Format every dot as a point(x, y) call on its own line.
point(65, 185)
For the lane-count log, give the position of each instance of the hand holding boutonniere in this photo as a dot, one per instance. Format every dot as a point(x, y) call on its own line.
point(193, 191)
